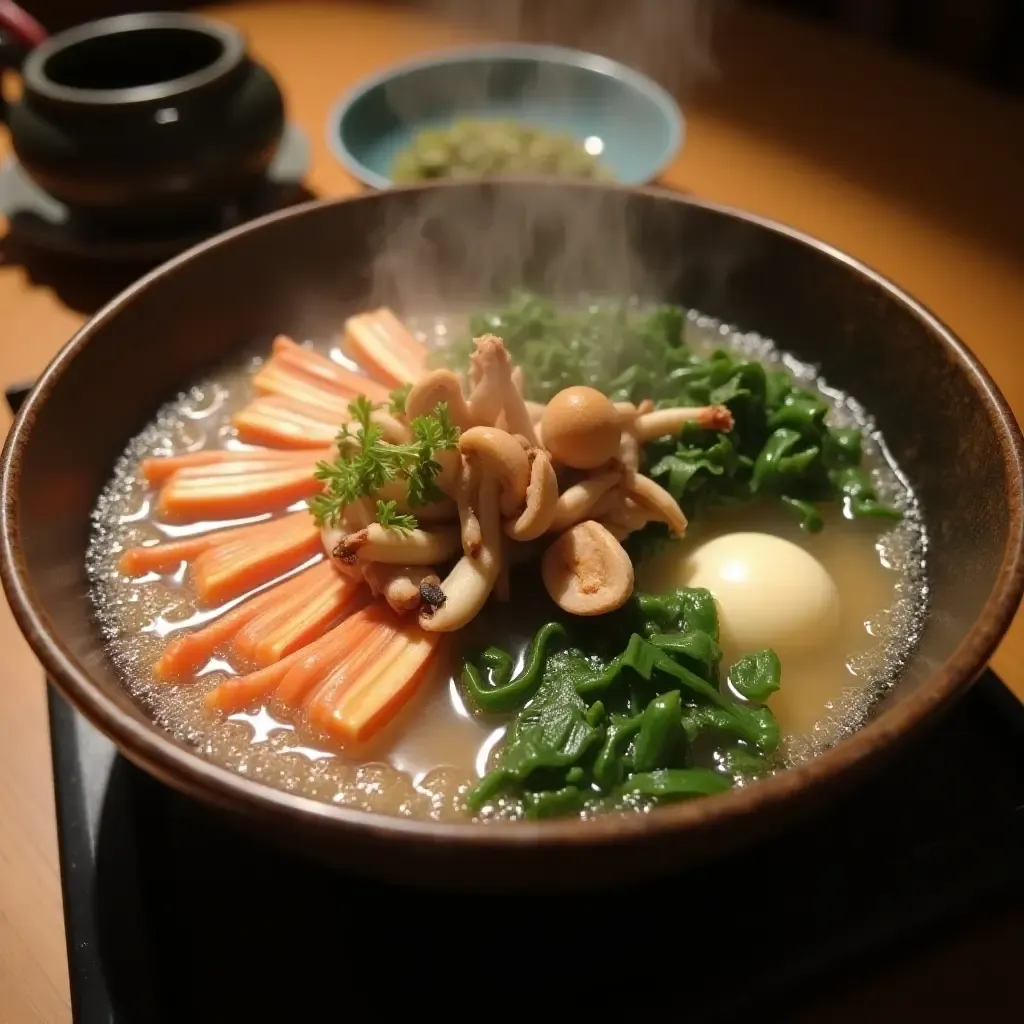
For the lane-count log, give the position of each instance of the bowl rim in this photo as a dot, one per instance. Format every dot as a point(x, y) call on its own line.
point(540, 53)
point(38, 83)
point(157, 752)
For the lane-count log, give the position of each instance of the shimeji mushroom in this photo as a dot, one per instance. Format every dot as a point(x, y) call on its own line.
point(489, 371)
point(586, 571)
point(581, 428)
point(466, 588)
point(664, 422)
point(495, 398)
point(469, 523)
point(502, 484)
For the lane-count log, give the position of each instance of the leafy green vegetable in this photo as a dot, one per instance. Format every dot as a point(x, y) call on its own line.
point(743, 764)
point(756, 676)
point(661, 739)
point(611, 764)
point(551, 732)
point(551, 803)
point(809, 516)
point(676, 783)
point(695, 650)
point(588, 726)
point(689, 609)
point(501, 692)
point(859, 492)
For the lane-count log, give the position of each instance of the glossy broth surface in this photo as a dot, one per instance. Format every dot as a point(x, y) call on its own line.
point(425, 760)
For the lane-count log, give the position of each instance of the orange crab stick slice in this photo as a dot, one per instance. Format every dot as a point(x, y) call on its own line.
point(301, 669)
point(385, 347)
point(367, 634)
point(325, 372)
point(300, 617)
point(188, 652)
point(248, 561)
point(352, 707)
point(275, 379)
point(236, 490)
point(158, 470)
point(280, 422)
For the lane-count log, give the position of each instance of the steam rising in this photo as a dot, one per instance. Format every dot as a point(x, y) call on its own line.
point(449, 245)
point(670, 40)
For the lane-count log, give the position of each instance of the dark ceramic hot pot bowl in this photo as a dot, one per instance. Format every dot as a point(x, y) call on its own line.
point(304, 270)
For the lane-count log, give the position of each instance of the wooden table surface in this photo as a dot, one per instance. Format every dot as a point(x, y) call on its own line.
point(915, 173)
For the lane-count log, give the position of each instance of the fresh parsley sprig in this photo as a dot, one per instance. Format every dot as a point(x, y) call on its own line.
point(365, 462)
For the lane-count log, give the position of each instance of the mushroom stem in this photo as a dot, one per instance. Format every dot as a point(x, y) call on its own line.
point(489, 369)
point(502, 585)
point(376, 543)
point(502, 456)
point(663, 422)
point(626, 515)
point(629, 452)
point(653, 497)
point(469, 524)
point(356, 515)
point(450, 476)
point(541, 500)
point(516, 415)
point(575, 503)
point(400, 585)
point(469, 584)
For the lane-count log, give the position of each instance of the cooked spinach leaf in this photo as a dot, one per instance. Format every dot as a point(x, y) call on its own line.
point(567, 746)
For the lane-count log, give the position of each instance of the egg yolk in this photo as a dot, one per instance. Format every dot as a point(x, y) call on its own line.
point(770, 592)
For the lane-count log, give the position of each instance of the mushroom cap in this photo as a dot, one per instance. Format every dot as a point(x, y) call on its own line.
point(587, 571)
point(581, 428)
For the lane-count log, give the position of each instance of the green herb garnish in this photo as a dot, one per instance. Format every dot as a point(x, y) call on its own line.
point(389, 517)
point(365, 462)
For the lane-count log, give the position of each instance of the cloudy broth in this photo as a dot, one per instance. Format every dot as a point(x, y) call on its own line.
point(424, 761)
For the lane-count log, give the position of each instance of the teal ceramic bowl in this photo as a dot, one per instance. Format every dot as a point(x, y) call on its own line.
point(632, 125)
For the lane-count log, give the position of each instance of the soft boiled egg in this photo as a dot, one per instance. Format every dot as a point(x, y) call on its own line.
point(770, 592)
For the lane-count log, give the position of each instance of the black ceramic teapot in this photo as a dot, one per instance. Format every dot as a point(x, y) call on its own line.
point(145, 119)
